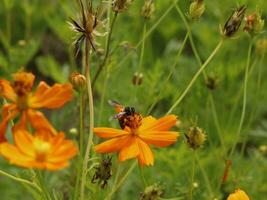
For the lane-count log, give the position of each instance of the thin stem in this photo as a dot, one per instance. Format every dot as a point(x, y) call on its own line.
point(81, 135)
point(99, 70)
point(170, 74)
point(216, 121)
point(205, 176)
point(192, 175)
point(141, 59)
point(178, 101)
point(20, 180)
point(91, 123)
point(142, 176)
point(244, 99)
point(156, 24)
point(120, 182)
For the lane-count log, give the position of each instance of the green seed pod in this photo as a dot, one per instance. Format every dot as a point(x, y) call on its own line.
point(196, 9)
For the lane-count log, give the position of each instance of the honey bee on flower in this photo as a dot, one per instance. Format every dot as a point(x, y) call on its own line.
point(136, 136)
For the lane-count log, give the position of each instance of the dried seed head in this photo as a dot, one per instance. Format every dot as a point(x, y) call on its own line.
point(212, 82)
point(119, 5)
point(196, 9)
point(233, 23)
point(195, 137)
point(103, 172)
point(153, 192)
point(78, 81)
point(254, 24)
point(148, 9)
point(261, 46)
point(137, 79)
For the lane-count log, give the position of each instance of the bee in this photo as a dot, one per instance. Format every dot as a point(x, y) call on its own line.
point(233, 23)
point(127, 116)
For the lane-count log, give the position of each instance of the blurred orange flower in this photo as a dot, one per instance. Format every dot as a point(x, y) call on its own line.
point(24, 101)
point(238, 195)
point(41, 150)
point(134, 142)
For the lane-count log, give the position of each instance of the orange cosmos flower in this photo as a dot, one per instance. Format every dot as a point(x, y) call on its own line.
point(238, 195)
point(24, 101)
point(41, 150)
point(134, 140)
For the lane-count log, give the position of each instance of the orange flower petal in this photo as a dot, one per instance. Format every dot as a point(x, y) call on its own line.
point(39, 122)
point(51, 97)
point(23, 141)
point(145, 156)
point(162, 124)
point(9, 112)
point(159, 138)
point(7, 91)
point(130, 150)
point(109, 132)
point(147, 122)
point(12, 153)
point(56, 166)
point(112, 145)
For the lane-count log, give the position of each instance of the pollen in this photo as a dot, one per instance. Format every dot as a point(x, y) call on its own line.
point(41, 149)
point(22, 83)
point(133, 121)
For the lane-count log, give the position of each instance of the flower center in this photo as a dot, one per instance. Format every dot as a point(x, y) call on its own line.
point(41, 149)
point(133, 121)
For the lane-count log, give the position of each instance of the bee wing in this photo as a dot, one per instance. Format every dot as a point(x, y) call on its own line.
point(118, 107)
point(117, 116)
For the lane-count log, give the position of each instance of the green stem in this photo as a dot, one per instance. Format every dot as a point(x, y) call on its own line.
point(99, 70)
point(244, 99)
point(192, 175)
point(143, 177)
point(216, 121)
point(91, 122)
point(169, 75)
point(141, 59)
point(21, 180)
point(156, 24)
point(178, 101)
point(205, 176)
point(81, 135)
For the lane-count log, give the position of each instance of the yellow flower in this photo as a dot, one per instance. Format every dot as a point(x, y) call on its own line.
point(134, 140)
point(238, 195)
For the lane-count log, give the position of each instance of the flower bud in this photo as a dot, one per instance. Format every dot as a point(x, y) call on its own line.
point(137, 79)
point(196, 9)
point(238, 194)
point(148, 9)
point(154, 192)
point(78, 81)
point(195, 137)
point(212, 82)
point(261, 46)
point(103, 172)
point(254, 24)
point(73, 131)
point(233, 23)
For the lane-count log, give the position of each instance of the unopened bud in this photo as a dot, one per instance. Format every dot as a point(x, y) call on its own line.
point(233, 23)
point(73, 131)
point(212, 82)
point(261, 46)
point(148, 9)
point(195, 137)
point(137, 79)
point(154, 192)
point(78, 81)
point(254, 24)
point(196, 9)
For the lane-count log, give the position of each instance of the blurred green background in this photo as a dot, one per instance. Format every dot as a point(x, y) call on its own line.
point(35, 35)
